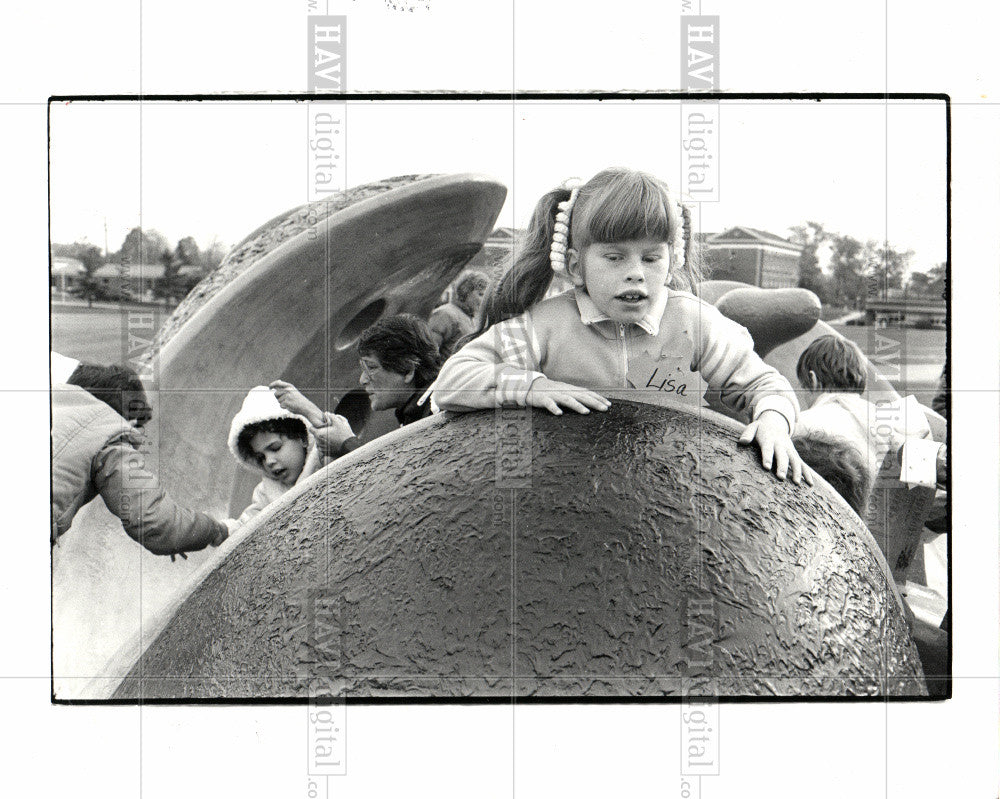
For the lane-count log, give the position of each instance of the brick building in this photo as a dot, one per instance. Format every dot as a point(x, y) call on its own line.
point(751, 256)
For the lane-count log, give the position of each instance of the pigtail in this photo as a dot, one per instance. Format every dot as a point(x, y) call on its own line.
point(526, 282)
point(691, 271)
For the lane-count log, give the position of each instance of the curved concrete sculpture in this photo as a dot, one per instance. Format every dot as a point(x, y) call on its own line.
point(637, 552)
point(290, 302)
point(773, 316)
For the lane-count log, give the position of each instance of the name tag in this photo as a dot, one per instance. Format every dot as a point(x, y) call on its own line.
point(667, 373)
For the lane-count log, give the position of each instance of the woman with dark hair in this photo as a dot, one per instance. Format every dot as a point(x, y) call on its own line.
point(399, 360)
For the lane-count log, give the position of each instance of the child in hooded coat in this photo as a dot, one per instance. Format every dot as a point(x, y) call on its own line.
point(279, 444)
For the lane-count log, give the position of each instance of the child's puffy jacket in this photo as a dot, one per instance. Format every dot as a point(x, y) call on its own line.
point(97, 452)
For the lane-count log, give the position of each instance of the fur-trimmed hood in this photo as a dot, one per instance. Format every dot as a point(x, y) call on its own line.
point(260, 405)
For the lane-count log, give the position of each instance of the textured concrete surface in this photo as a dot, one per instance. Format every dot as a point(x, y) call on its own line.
point(638, 552)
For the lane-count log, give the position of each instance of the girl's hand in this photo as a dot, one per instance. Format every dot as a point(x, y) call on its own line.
point(770, 431)
point(551, 394)
point(293, 401)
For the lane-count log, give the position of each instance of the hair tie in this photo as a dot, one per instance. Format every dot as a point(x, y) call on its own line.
point(677, 248)
point(560, 233)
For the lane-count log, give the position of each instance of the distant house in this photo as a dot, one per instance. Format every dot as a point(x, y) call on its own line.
point(65, 273)
point(138, 279)
point(751, 256)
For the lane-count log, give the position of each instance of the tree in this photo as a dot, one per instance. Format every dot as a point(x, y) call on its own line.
point(847, 262)
point(938, 285)
point(811, 237)
point(892, 263)
point(212, 257)
point(142, 247)
point(919, 283)
point(170, 286)
point(187, 252)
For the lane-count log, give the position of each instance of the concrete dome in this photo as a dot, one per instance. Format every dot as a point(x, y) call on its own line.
point(637, 552)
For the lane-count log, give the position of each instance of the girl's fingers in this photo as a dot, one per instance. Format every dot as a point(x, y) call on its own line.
point(781, 463)
point(571, 402)
point(808, 475)
point(749, 433)
point(766, 454)
point(796, 463)
point(596, 401)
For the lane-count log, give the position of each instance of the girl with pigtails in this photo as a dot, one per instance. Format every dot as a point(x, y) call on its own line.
point(631, 320)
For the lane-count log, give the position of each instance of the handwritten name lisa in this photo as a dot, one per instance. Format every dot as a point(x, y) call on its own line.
point(668, 385)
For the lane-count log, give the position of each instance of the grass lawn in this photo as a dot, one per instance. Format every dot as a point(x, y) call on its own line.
point(100, 334)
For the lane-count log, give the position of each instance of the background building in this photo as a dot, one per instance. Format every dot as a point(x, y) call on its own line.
point(751, 256)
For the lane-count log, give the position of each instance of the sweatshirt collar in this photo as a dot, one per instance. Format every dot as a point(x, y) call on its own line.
point(590, 314)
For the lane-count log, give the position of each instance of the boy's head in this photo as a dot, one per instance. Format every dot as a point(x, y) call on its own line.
point(398, 356)
point(116, 386)
point(265, 436)
point(842, 465)
point(469, 291)
point(832, 363)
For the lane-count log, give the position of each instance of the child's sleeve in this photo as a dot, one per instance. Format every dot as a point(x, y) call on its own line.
point(495, 370)
point(258, 502)
point(148, 514)
point(728, 363)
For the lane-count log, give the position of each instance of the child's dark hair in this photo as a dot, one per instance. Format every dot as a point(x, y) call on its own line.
point(837, 363)
point(401, 343)
point(119, 387)
point(285, 426)
point(615, 205)
point(841, 465)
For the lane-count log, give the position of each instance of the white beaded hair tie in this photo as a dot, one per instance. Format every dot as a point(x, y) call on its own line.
point(677, 248)
point(560, 235)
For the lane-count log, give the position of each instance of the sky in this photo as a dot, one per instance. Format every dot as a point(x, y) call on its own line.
point(217, 170)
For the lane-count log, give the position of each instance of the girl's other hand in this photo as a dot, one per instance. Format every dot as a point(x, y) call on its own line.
point(770, 431)
point(331, 436)
point(553, 396)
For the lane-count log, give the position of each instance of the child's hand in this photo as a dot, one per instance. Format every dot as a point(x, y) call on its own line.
point(770, 431)
point(331, 437)
point(293, 401)
point(551, 394)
